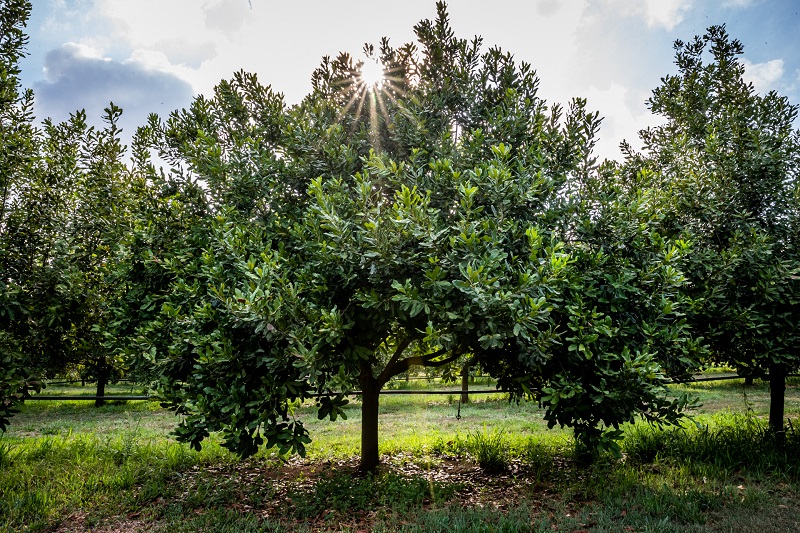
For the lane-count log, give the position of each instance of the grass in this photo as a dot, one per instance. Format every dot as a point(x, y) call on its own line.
point(67, 466)
point(719, 396)
point(490, 450)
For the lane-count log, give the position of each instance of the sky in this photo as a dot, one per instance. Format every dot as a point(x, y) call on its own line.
point(154, 56)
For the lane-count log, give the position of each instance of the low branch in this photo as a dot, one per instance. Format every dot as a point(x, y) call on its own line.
point(437, 364)
point(387, 371)
point(424, 361)
point(435, 354)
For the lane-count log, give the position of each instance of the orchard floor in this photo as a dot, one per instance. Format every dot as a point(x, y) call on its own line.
point(67, 466)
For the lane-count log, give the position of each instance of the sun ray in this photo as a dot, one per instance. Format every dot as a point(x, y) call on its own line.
point(363, 95)
point(391, 96)
point(350, 103)
point(376, 86)
point(373, 122)
point(383, 109)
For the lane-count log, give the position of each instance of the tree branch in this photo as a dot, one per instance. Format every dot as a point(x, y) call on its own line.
point(437, 364)
point(388, 369)
point(435, 354)
point(424, 361)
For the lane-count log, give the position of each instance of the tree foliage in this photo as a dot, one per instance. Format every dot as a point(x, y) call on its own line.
point(16, 132)
point(65, 202)
point(339, 242)
point(728, 159)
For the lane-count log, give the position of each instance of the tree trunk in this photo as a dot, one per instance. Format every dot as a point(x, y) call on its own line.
point(370, 400)
point(465, 383)
point(102, 380)
point(777, 393)
point(586, 440)
point(748, 381)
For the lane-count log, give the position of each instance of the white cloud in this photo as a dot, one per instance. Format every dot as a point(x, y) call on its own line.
point(206, 41)
point(85, 51)
point(656, 13)
point(58, 61)
point(174, 37)
point(665, 13)
point(156, 61)
point(764, 76)
point(181, 52)
point(547, 8)
point(79, 77)
point(623, 116)
point(227, 16)
point(146, 21)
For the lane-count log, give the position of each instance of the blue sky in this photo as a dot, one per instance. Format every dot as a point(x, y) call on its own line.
point(154, 55)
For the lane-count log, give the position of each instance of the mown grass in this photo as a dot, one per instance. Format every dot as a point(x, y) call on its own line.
point(67, 466)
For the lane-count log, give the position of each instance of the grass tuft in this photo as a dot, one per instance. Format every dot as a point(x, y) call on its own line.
point(490, 449)
point(730, 442)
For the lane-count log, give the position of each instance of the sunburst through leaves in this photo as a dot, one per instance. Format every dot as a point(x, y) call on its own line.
point(367, 89)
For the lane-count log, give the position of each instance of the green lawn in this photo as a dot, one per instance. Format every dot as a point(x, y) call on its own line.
point(67, 466)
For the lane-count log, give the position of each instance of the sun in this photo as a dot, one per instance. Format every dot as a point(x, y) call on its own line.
point(372, 74)
point(369, 89)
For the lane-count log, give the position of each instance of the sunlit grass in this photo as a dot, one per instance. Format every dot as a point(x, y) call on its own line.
point(414, 422)
point(112, 463)
point(734, 395)
point(43, 478)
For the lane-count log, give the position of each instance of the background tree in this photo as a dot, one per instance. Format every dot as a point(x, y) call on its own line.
point(16, 157)
point(626, 318)
point(728, 159)
point(99, 216)
point(65, 202)
point(68, 214)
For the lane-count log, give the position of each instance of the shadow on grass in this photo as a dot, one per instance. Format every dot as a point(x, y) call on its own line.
point(679, 479)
